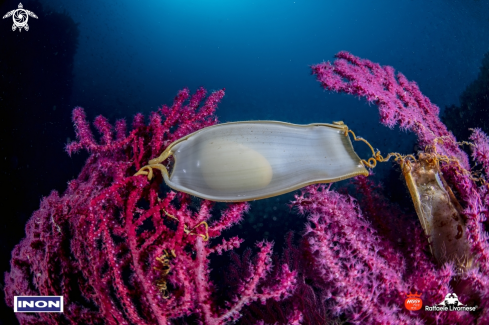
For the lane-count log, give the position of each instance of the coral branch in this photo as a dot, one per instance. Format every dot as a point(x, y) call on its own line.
point(116, 251)
point(400, 101)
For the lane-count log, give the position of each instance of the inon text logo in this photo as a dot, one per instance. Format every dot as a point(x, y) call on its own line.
point(38, 304)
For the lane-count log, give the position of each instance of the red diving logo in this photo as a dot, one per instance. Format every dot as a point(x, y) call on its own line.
point(413, 301)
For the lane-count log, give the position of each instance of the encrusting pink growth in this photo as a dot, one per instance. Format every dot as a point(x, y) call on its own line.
point(480, 150)
point(120, 254)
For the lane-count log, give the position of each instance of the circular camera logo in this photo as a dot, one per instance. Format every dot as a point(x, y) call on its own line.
point(413, 301)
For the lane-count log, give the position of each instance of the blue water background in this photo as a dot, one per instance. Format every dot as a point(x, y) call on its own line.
point(134, 56)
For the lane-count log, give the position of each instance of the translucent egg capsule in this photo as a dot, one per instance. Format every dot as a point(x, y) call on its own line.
point(243, 161)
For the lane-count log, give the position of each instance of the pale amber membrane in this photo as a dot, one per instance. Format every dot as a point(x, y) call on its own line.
point(243, 161)
point(439, 213)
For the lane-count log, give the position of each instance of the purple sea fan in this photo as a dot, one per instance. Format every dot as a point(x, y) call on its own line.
point(361, 274)
point(351, 264)
point(401, 102)
point(361, 257)
point(118, 252)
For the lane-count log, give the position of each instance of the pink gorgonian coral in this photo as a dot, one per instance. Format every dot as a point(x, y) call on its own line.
point(120, 251)
point(360, 254)
point(362, 251)
point(123, 251)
